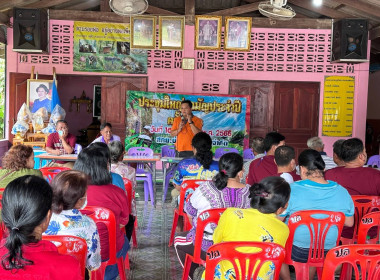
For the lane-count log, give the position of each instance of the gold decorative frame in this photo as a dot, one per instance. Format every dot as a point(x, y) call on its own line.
point(237, 33)
point(210, 27)
point(143, 32)
point(171, 32)
point(32, 94)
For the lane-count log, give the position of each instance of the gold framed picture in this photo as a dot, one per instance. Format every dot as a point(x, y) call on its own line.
point(171, 32)
point(208, 32)
point(237, 33)
point(143, 32)
point(39, 94)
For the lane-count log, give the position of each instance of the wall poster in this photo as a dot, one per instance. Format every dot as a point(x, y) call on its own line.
point(105, 47)
point(150, 116)
point(338, 106)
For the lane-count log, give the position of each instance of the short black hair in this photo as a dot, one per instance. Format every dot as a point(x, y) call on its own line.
point(61, 121)
point(272, 138)
point(202, 143)
point(258, 145)
point(104, 125)
point(284, 155)
point(188, 102)
point(43, 87)
point(337, 147)
point(351, 148)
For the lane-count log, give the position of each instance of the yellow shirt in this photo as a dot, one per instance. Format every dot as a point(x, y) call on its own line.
point(248, 225)
point(185, 136)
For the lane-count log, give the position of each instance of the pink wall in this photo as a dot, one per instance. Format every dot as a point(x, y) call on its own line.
point(276, 55)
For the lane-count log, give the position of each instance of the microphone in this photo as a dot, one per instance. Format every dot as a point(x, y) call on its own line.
point(184, 120)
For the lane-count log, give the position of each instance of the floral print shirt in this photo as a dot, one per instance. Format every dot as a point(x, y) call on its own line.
point(73, 222)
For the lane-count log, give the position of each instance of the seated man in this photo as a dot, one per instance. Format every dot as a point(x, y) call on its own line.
point(337, 151)
point(316, 143)
point(358, 180)
point(284, 156)
point(265, 166)
point(106, 134)
point(258, 151)
point(60, 143)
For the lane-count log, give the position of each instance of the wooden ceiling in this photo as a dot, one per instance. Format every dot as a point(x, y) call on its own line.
point(308, 15)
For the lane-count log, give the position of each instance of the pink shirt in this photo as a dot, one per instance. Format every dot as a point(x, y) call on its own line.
point(115, 199)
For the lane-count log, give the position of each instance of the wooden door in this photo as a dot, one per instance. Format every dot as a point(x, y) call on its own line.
point(261, 119)
point(18, 92)
point(296, 112)
point(114, 91)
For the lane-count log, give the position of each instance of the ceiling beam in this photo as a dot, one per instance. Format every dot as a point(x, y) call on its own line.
point(6, 4)
point(362, 6)
point(105, 6)
point(323, 10)
point(4, 19)
point(190, 12)
point(237, 10)
point(374, 33)
point(87, 16)
point(159, 11)
point(89, 4)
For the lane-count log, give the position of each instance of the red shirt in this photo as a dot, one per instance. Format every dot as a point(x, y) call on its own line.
point(48, 264)
point(260, 169)
point(115, 199)
point(55, 143)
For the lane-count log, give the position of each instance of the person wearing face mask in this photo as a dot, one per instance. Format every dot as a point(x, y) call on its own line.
point(70, 195)
point(61, 142)
point(185, 127)
point(225, 190)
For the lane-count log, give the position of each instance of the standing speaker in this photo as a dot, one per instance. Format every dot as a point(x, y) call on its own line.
point(349, 41)
point(30, 30)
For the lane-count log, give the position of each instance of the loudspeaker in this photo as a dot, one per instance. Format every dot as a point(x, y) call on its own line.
point(349, 41)
point(30, 30)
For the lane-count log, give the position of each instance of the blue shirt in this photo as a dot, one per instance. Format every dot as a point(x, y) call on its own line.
point(117, 180)
point(37, 104)
point(190, 168)
point(309, 195)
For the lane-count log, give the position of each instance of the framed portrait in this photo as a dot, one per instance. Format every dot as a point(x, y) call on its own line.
point(39, 94)
point(97, 104)
point(207, 32)
point(171, 32)
point(237, 33)
point(143, 32)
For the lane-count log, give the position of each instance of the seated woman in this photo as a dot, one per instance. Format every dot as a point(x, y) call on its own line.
point(201, 166)
point(313, 192)
point(26, 214)
point(17, 162)
point(102, 193)
point(117, 180)
point(117, 166)
point(225, 190)
point(69, 195)
point(258, 223)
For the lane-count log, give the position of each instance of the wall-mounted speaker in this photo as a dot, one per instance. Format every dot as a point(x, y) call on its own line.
point(349, 41)
point(30, 30)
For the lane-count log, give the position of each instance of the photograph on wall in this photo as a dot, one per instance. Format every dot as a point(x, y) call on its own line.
point(105, 47)
point(39, 94)
point(150, 116)
point(143, 32)
point(171, 32)
point(237, 33)
point(208, 32)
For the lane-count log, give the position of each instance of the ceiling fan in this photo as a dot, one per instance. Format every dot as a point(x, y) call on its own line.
point(129, 7)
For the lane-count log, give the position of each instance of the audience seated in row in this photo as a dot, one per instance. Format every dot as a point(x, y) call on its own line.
point(337, 152)
point(26, 214)
point(69, 195)
point(17, 162)
point(225, 190)
point(257, 146)
point(101, 192)
point(316, 143)
point(284, 157)
point(201, 166)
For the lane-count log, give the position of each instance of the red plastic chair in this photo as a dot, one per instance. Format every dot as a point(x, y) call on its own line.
point(368, 221)
point(318, 228)
point(246, 265)
point(363, 258)
point(364, 204)
point(107, 217)
point(131, 195)
point(70, 245)
point(210, 216)
point(186, 185)
point(50, 172)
